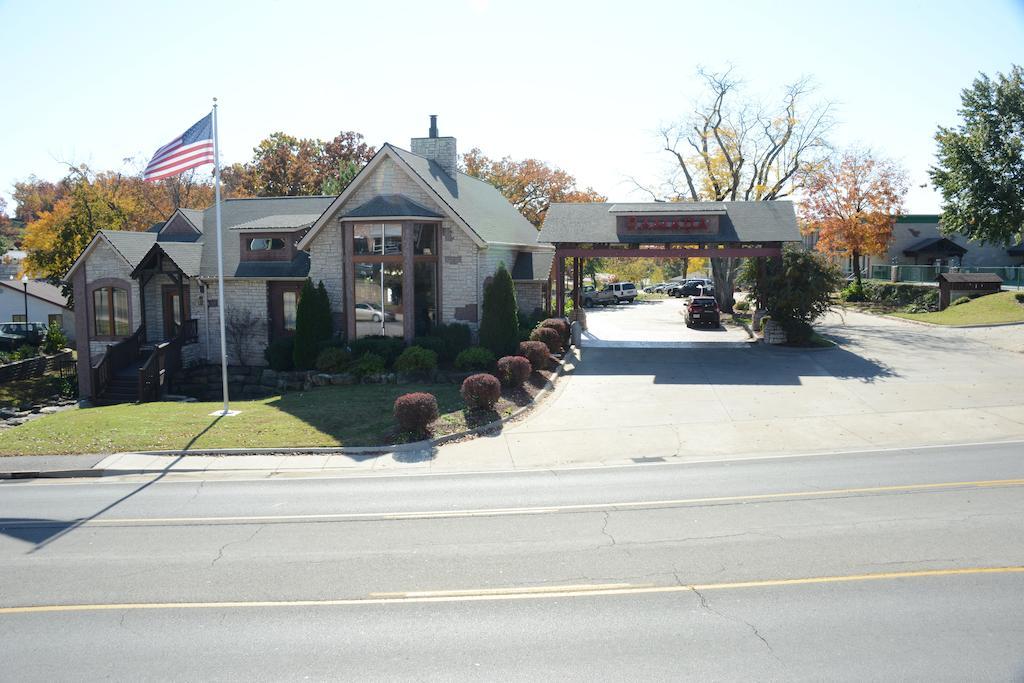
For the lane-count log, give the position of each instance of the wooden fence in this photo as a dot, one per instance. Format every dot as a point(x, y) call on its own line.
point(33, 367)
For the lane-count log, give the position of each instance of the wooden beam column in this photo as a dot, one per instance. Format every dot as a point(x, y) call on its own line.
point(408, 285)
point(348, 281)
point(559, 285)
point(577, 282)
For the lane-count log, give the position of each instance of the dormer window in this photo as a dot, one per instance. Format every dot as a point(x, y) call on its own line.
point(266, 244)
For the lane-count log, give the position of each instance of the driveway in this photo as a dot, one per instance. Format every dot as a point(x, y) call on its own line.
point(652, 324)
point(889, 384)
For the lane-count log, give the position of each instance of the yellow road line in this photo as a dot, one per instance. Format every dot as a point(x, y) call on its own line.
point(495, 512)
point(535, 593)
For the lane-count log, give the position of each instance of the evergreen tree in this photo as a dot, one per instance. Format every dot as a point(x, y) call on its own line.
point(499, 325)
point(307, 328)
point(325, 323)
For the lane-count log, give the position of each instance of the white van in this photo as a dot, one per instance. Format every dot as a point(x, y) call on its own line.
point(623, 291)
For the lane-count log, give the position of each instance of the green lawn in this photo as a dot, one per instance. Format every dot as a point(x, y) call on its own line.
point(985, 310)
point(358, 415)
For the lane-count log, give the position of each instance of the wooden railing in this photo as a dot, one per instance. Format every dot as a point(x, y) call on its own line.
point(117, 357)
point(161, 367)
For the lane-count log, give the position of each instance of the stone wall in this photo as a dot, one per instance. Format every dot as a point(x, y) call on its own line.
point(327, 265)
point(530, 296)
point(242, 295)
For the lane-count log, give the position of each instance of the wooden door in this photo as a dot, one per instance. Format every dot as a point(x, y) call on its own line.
point(172, 310)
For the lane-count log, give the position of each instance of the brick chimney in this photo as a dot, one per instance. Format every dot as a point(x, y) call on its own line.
point(439, 149)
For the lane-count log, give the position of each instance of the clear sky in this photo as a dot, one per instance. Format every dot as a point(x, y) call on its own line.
point(583, 85)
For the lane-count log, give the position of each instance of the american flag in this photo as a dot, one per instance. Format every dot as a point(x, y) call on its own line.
point(192, 148)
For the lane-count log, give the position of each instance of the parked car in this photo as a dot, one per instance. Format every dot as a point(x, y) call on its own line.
point(691, 288)
point(16, 335)
point(623, 291)
point(703, 310)
point(592, 297)
point(368, 311)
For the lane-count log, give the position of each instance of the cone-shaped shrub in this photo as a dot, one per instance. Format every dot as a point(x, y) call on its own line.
point(414, 412)
point(549, 337)
point(481, 391)
point(499, 324)
point(307, 329)
point(513, 371)
point(537, 353)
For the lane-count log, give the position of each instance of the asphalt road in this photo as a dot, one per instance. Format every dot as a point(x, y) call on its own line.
point(901, 564)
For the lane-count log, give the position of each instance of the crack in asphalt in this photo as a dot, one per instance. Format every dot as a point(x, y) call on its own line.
point(220, 552)
point(604, 527)
point(707, 607)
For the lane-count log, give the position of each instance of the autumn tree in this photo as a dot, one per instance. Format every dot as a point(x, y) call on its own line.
point(734, 148)
point(852, 200)
point(529, 185)
point(285, 165)
point(6, 230)
point(980, 165)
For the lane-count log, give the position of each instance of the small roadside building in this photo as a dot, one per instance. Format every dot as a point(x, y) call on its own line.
point(952, 286)
point(408, 245)
point(46, 304)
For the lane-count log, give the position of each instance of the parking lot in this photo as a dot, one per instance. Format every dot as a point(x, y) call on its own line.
point(653, 324)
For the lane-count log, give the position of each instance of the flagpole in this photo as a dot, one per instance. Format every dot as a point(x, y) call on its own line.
point(221, 303)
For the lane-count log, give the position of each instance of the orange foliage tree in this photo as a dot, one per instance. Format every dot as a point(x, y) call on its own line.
point(852, 201)
point(529, 185)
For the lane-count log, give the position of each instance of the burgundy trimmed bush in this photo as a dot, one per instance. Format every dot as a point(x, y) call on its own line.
point(560, 326)
point(415, 411)
point(550, 337)
point(481, 391)
point(514, 370)
point(537, 353)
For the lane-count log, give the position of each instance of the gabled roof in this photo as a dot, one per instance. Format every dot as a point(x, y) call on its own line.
point(296, 268)
point(187, 256)
point(281, 221)
point(38, 289)
point(935, 245)
point(969, 277)
point(391, 206)
point(596, 222)
point(1017, 250)
point(472, 203)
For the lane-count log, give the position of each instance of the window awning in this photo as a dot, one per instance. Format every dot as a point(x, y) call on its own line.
point(940, 246)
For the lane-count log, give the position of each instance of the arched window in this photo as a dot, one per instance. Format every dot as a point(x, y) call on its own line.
point(110, 312)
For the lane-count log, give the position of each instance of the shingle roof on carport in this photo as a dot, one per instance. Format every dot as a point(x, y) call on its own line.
point(753, 222)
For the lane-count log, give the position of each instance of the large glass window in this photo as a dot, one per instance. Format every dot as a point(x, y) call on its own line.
point(378, 303)
point(425, 296)
point(110, 312)
point(290, 304)
point(424, 239)
point(377, 239)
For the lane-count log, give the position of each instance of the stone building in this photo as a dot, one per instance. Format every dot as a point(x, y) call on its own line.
point(409, 244)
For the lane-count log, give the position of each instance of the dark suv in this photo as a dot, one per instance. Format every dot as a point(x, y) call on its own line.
point(703, 310)
point(690, 288)
point(16, 335)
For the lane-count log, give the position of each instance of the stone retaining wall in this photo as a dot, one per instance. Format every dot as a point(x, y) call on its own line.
point(32, 367)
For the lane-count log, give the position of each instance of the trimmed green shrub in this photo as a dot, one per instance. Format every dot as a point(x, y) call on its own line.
point(416, 360)
point(25, 352)
point(432, 342)
point(559, 325)
point(414, 412)
point(961, 300)
point(900, 293)
point(280, 354)
point(742, 306)
point(313, 324)
point(513, 371)
point(853, 292)
point(1019, 296)
point(480, 391)
point(499, 324)
point(528, 322)
point(474, 358)
point(537, 353)
point(457, 338)
point(333, 359)
point(55, 339)
point(388, 348)
point(367, 364)
point(549, 337)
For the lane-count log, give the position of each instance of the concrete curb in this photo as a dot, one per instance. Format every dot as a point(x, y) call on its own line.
point(549, 386)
